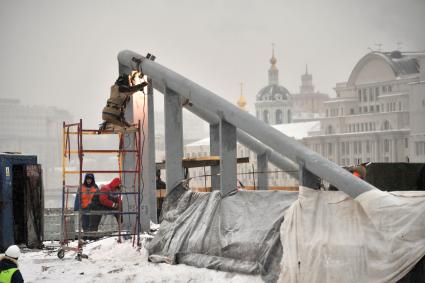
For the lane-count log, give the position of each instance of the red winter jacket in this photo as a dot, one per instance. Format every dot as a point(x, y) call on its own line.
point(109, 193)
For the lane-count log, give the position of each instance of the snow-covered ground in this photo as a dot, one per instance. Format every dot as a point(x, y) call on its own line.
point(110, 261)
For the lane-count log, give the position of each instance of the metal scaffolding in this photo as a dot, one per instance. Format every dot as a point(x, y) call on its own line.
point(76, 129)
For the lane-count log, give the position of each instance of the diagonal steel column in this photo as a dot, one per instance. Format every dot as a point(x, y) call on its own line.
point(203, 98)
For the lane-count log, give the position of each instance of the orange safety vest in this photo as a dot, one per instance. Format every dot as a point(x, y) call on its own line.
point(87, 195)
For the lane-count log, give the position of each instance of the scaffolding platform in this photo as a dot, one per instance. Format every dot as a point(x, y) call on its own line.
point(67, 214)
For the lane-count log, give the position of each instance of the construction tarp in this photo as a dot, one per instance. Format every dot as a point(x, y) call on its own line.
point(236, 232)
point(329, 237)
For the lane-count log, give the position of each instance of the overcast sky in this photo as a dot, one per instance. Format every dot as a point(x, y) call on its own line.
point(63, 53)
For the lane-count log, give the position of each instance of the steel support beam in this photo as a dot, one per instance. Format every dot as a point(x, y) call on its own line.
point(215, 151)
point(228, 163)
point(262, 169)
point(133, 114)
point(148, 158)
point(239, 118)
point(275, 158)
point(173, 138)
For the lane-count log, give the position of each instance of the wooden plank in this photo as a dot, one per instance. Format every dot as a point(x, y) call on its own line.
point(201, 162)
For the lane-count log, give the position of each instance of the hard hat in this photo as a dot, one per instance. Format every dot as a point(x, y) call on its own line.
point(13, 252)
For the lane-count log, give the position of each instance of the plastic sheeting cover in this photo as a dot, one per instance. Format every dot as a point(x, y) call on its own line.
point(238, 232)
point(329, 237)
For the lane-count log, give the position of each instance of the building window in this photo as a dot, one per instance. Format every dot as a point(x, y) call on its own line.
point(371, 94)
point(365, 109)
point(360, 147)
point(376, 92)
point(360, 110)
point(406, 142)
point(399, 106)
point(352, 110)
point(329, 148)
point(390, 89)
point(384, 89)
point(420, 148)
point(386, 125)
point(329, 130)
point(266, 116)
point(347, 148)
point(343, 148)
point(289, 116)
point(367, 146)
point(355, 147)
point(386, 146)
point(360, 95)
point(362, 127)
point(371, 108)
point(377, 108)
point(279, 118)
point(365, 97)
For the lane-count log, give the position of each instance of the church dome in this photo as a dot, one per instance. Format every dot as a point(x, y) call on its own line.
point(273, 92)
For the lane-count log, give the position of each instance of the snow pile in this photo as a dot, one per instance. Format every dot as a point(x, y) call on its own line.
point(110, 261)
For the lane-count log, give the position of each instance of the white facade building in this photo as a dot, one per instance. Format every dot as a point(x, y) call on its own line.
point(378, 114)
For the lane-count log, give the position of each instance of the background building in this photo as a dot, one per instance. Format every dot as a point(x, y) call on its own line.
point(308, 104)
point(378, 114)
point(34, 130)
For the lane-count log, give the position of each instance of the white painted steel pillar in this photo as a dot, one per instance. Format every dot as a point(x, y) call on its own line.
point(215, 151)
point(262, 169)
point(228, 173)
point(173, 138)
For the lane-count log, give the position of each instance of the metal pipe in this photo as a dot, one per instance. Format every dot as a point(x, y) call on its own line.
point(203, 98)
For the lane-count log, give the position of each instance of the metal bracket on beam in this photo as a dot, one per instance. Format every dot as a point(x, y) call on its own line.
point(307, 178)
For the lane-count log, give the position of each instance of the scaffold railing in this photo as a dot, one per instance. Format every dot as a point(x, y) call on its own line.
point(70, 231)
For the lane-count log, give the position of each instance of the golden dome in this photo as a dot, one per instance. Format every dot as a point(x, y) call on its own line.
point(241, 101)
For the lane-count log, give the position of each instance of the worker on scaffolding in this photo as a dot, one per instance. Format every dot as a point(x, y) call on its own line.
point(87, 192)
point(109, 198)
point(121, 91)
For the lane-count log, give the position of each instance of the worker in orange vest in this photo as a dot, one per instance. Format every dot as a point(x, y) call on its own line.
point(88, 190)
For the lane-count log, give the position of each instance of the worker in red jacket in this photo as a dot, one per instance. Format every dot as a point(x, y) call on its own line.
point(110, 194)
point(110, 198)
